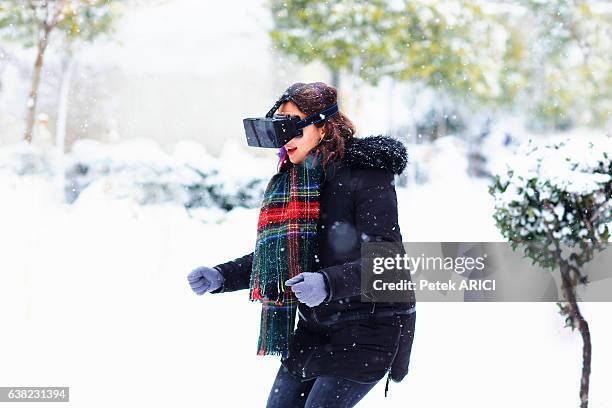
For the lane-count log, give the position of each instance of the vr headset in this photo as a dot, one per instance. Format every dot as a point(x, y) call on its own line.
point(274, 130)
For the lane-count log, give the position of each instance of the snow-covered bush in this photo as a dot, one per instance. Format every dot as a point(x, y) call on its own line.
point(136, 169)
point(24, 159)
point(139, 170)
point(556, 193)
point(555, 202)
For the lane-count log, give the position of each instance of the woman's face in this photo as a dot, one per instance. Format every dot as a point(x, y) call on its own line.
point(299, 147)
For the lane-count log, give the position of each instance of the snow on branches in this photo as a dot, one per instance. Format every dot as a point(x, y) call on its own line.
point(556, 195)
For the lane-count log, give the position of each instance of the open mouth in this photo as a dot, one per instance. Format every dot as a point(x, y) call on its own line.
point(291, 149)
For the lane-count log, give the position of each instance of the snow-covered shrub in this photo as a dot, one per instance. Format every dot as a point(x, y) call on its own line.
point(555, 202)
point(24, 159)
point(239, 179)
point(556, 194)
point(135, 169)
point(88, 161)
point(140, 170)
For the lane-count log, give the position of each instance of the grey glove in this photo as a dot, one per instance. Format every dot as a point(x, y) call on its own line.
point(309, 287)
point(204, 279)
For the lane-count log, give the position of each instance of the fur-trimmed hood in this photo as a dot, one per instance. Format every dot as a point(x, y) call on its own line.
point(378, 152)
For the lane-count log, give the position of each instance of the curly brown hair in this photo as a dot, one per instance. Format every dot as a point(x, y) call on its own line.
point(311, 98)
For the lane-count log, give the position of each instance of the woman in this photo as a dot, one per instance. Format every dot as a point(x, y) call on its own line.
point(332, 192)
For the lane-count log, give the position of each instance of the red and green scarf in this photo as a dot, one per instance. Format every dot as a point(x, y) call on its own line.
point(285, 247)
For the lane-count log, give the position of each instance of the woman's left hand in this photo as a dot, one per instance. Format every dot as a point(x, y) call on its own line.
point(309, 287)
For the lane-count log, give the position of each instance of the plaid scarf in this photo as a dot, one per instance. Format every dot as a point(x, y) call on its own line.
point(285, 247)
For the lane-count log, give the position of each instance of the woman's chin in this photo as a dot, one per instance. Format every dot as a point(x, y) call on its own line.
point(295, 160)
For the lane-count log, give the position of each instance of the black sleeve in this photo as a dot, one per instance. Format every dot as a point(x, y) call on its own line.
point(236, 274)
point(375, 206)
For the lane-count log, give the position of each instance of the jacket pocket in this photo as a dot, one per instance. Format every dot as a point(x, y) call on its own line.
point(360, 350)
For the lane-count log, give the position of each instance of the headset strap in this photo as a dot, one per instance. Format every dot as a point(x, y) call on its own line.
point(317, 117)
point(284, 98)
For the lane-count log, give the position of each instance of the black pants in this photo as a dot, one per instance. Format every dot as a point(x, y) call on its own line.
point(321, 392)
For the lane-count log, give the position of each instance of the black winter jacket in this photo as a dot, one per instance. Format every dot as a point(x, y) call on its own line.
point(344, 336)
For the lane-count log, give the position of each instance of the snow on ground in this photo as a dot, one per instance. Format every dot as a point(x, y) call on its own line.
point(94, 296)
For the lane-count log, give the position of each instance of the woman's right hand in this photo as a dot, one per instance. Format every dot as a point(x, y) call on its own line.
point(204, 279)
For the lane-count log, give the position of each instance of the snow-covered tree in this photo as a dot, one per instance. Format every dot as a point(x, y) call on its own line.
point(548, 60)
point(555, 203)
point(452, 48)
point(31, 23)
point(565, 70)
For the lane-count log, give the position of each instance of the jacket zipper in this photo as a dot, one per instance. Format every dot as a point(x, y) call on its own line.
point(314, 315)
point(399, 340)
point(306, 362)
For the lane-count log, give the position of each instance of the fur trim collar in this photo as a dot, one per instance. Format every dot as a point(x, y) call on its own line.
point(377, 152)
